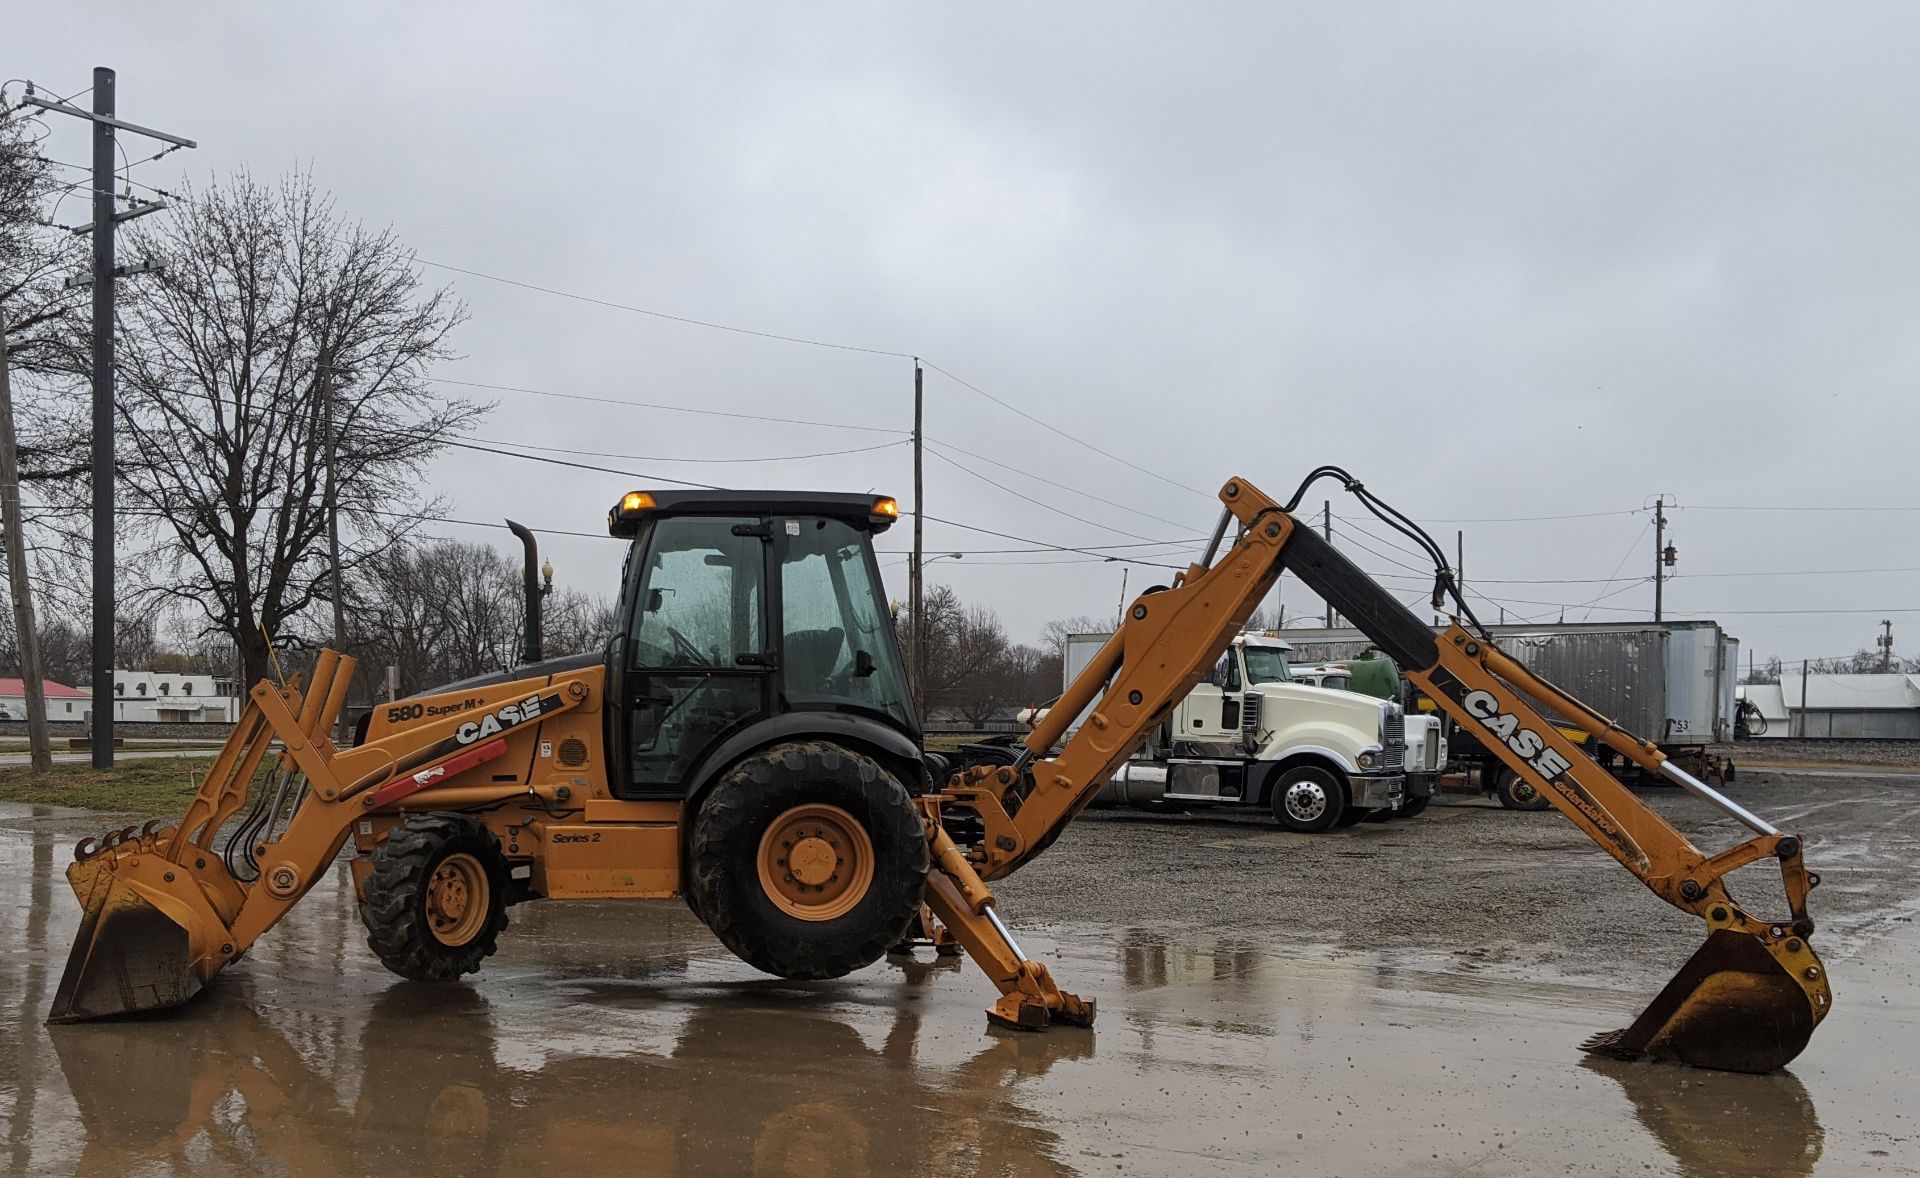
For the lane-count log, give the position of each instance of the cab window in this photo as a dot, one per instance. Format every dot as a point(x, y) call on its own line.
point(837, 633)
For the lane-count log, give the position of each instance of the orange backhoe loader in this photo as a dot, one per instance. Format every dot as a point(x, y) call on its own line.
point(746, 742)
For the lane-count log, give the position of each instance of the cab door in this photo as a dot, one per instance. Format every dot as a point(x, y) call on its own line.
point(1211, 711)
point(694, 662)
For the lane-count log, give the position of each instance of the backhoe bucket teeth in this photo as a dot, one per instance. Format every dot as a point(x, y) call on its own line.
point(1737, 1005)
point(128, 956)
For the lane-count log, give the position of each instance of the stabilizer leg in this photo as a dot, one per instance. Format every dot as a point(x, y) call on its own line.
point(960, 900)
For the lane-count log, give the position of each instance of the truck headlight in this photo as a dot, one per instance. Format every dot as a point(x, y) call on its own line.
point(1369, 760)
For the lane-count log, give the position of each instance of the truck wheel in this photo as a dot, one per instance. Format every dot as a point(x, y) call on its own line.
point(1309, 799)
point(807, 860)
point(436, 901)
point(1516, 794)
point(1380, 815)
point(1413, 807)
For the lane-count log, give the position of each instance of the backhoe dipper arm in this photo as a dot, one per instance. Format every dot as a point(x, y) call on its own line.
point(1750, 972)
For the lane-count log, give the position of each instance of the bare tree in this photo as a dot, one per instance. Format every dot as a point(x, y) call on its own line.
point(576, 622)
point(1053, 635)
point(274, 327)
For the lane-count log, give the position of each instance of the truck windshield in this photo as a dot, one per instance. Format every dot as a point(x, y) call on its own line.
point(1266, 664)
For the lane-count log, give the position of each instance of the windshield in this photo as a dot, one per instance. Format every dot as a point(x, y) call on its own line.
point(1266, 664)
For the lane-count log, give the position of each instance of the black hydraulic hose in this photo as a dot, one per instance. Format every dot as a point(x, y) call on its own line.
point(1444, 583)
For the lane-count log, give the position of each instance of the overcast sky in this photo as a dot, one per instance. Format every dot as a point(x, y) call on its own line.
point(1499, 260)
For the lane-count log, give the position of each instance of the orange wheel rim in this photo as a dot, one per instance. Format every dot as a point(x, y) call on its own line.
point(457, 899)
point(816, 862)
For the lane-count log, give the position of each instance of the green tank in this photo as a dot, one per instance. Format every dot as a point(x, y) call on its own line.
point(1373, 674)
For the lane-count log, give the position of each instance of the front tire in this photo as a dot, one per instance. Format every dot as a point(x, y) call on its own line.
point(436, 901)
point(1308, 799)
point(807, 860)
point(1413, 807)
point(1516, 794)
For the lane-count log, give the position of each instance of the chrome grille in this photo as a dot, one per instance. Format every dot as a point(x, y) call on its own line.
point(1395, 754)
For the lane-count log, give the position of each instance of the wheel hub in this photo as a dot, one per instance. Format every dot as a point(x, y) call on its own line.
point(1306, 800)
point(456, 899)
point(816, 862)
point(813, 860)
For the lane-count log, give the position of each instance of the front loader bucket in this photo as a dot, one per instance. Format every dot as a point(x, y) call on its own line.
point(1739, 1004)
point(128, 955)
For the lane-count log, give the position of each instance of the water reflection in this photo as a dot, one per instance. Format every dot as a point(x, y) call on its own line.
point(749, 1086)
point(1719, 1124)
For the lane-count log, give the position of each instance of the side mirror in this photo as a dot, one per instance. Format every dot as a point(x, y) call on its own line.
point(863, 664)
point(655, 599)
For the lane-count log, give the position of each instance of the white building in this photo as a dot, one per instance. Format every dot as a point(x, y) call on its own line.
point(63, 702)
point(1862, 706)
point(171, 698)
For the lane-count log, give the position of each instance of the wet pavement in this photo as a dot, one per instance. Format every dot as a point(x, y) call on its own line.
point(609, 1038)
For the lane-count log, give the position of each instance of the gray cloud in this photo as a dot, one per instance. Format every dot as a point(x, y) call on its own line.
point(1501, 260)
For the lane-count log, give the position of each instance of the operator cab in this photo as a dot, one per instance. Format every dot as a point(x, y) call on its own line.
point(747, 616)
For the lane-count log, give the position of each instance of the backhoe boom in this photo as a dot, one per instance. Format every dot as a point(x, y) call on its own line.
point(1747, 1001)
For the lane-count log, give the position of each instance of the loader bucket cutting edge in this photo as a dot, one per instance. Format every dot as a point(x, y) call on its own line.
point(127, 955)
point(1733, 1007)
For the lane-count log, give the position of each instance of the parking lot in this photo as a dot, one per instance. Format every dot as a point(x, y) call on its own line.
point(1400, 998)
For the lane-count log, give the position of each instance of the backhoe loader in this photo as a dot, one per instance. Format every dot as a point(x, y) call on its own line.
point(746, 742)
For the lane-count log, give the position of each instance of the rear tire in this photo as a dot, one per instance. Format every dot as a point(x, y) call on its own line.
point(1308, 799)
point(1516, 794)
point(436, 901)
point(807, 860)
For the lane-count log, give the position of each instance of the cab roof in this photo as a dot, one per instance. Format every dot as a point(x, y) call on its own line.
point(858, 509)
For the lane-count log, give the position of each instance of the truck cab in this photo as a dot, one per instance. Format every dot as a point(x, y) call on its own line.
point(1250, 735)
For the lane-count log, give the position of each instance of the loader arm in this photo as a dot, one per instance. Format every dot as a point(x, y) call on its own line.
point(1746, 1002)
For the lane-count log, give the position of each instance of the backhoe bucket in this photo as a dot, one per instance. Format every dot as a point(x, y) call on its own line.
point(1739, 1004)
point(128, 955)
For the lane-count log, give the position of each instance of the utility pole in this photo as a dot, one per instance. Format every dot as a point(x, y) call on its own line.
point(105, 221)
point(1326, 533)
point(1886, 645)
point(103, 292)
point(32, 672)
point(1660, 559)
point(1804, 664)
point(915, 595)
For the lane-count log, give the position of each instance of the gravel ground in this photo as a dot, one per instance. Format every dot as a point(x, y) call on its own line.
point(1500, 891)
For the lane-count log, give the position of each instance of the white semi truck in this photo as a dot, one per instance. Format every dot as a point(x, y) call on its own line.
point(1249, 736)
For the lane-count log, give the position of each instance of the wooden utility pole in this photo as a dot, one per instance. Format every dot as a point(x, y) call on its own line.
point(32, 674)
point(1804, 665)
point(1326, 532)
point(1659, 556)
point(916, 615)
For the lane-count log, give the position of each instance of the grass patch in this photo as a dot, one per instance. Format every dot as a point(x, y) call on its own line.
point(157, 786)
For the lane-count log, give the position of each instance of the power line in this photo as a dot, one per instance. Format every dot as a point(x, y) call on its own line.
point(1040, 503)
point(1631, 549)
point(1074, 438)
point(1050, 482)
point(669, 458)
point(652, 314)
point(934, 519)
point(505, 388)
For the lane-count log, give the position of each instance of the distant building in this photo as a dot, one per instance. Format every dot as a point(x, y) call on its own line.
point(63, 702)
point(177, 699)
point(1884, 707)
